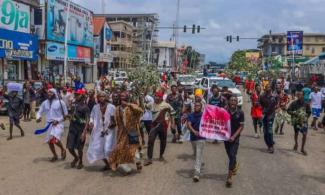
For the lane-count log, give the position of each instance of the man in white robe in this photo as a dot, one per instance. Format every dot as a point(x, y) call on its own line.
point(103, 134)
point(56, 111)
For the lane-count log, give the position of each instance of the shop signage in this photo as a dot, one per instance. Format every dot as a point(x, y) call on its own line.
point(295, 42)
point(80, 23)
point(17, 45)
point(55, 51)
point(105, 57)
point(14, 16)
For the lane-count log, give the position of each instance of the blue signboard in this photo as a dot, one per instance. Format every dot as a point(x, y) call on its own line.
point(18, 46)
point(295, 42)
point(108, 34)
point(80, 31)
point(55, 51)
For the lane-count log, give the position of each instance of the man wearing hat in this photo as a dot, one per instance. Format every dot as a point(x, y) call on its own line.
point(56, 112)
point(78, 128)
point(159, 126)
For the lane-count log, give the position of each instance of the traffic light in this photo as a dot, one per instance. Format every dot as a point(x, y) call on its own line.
point(185, 28)
point(227, 38)
point(193, 29)
point(237, 38)
point(198, 29)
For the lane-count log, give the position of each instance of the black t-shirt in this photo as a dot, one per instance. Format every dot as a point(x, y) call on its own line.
point(80, 113)
point(236, 119)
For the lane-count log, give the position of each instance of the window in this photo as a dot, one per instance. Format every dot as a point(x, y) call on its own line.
point(312, 50)
point(273, 49)
point(307, 48)
point(323, 49)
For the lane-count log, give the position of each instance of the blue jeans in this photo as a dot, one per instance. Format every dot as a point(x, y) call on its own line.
point(268, 131)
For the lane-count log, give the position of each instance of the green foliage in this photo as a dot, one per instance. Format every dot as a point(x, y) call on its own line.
point(238, 61)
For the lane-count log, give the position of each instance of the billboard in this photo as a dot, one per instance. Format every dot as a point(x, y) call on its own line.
point(80, 23)
point(18, 46)
point(295, 42)
point(55, 51)
point(14, 16)
point(253, 57)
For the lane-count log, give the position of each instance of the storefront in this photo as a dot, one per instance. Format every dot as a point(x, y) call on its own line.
point(79, 59)
point(17, 52)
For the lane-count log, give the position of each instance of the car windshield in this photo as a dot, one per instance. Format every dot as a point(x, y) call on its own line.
point(186, 79)
point(223, 83)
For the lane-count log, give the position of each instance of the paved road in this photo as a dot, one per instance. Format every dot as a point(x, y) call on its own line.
point(24, 169)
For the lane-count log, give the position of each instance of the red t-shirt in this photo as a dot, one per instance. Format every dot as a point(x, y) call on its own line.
point(257, 110)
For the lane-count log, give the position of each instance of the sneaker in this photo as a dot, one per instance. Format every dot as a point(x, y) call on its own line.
point(304, 152)
point(257, 135)
point(196, 178)
point(2, 126)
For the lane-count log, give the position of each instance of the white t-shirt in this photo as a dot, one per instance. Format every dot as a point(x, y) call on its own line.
point(316, 100)
point(286, 85)
point(147, 116)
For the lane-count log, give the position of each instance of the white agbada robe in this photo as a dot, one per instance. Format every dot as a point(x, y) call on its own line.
point(100, 147)
point(53, 112)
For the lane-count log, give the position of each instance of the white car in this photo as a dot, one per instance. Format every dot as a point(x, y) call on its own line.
point(188, 81)
point(207, 82)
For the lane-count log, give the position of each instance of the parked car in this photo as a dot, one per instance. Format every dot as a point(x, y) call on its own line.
point(207, 82)
point(188, 81)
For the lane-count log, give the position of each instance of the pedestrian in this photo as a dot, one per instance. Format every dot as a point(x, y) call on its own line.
point(103, 131)
point(281, 115)
point(78, 84)
point(91, 100)
point(15, 110)
point(33, 102)
point(237, 125)
point(176, 101)
point(307, 91)
point(68, 98)
point(147, 116)
point(128, 135)
point(316, 106)
point(299, 111)
point(286, 86)
point(198, 142)
point(187, 110)
point(217, 99)
point(257, 111)
point(79, 119)
point(28, 96)
point(159, 126)
point(56, 112)
point(269, 103)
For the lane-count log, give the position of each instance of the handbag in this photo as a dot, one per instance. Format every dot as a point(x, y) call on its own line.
point(132, 135)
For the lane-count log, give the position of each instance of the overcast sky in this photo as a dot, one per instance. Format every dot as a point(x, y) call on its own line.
point(246, 18)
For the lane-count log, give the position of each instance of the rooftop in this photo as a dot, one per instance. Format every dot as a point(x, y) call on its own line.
point(165, 44)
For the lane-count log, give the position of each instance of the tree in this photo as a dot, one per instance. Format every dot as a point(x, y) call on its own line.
point(238, 61)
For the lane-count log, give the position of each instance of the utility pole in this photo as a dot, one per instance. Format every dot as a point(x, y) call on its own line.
point(65, 68)
point(176, 32)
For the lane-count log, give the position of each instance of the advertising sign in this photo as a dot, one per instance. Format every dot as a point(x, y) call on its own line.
point(14, 16)
point(295, 42)
point(17, 45)
point(80, 23)
point(55, 51)
point(253, 57)
point(215, 123)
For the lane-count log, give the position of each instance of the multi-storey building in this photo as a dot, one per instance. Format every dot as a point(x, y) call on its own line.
point(164, 55)
point(145, 32)
point(276, 45)
point(121, 44)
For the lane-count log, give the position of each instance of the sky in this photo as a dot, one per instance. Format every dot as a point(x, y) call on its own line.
point(244, 18)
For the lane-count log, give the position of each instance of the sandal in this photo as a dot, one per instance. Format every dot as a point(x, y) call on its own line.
point(139, 167)
point(80, 166)
point(74, 162)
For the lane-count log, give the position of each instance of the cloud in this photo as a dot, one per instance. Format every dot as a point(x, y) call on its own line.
point(245, 18)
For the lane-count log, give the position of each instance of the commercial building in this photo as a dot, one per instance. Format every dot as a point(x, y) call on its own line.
point(103, 34)
point(145, 32)
point(276, 45)
point(121, 44)
point(18, 44)
point(164, 55)
point(51, 29)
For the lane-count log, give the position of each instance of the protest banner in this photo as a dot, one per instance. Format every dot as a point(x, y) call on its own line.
point(215, 123)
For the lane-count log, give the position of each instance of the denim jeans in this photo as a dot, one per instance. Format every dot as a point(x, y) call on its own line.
point(198, 147)
point(232, 149)
point(268, 131)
